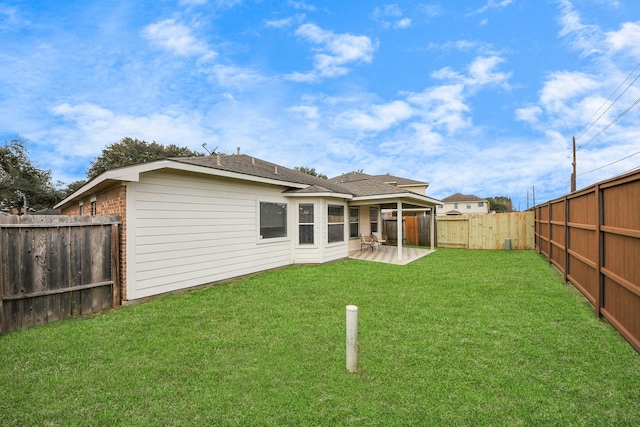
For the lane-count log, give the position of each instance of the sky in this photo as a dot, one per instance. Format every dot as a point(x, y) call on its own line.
point(479, 97)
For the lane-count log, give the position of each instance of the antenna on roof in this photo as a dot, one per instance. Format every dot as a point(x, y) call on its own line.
point(211, 152)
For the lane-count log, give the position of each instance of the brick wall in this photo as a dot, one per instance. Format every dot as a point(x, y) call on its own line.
point(110, 202)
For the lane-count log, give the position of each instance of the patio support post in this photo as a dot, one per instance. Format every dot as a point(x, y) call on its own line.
point(400, 231)
point(432, 237)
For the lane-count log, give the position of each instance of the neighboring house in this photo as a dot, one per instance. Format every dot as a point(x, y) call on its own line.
point(462, 204)
point(192, 221)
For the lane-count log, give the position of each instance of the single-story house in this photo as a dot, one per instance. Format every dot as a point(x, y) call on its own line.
point(192, 221)
point(464, 204)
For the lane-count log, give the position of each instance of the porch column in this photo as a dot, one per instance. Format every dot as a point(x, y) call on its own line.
point(400, 231)
point(432, 238)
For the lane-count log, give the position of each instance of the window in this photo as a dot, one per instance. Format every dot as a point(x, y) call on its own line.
point(305, 224)
point(468, 205)
point(81, 209)
point(373, 218)
point(273, 220)
point(336, 223)
point(354, 222)
point(455, 206)
point(94, 208)
point(480, 204)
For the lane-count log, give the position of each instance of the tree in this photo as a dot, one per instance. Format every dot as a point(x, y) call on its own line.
point(310, 171)
point(71, 187)
point(500, 204)
point(22, 183)
point(131, 151)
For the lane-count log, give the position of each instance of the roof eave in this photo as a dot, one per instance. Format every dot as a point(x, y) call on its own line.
point(322, 194)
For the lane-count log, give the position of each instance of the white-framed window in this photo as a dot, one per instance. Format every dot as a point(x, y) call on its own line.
point(354, 222)
point(455, 206)
point(273, 220)
point(305, 223)
point(468, 205)
point(481, 204)
point(373, 219)
point(335, 223)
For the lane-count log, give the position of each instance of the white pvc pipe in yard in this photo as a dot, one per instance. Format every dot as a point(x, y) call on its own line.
point(352, 338)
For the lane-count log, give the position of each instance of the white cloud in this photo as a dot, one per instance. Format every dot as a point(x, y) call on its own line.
point(390, 16)
point(302, 6)
point(443, 107)
point(284, 22)
point(585, 38)
point(481, 72)
point(230, 76)
point(530, 114)
point(403, 23)
point(377, 118)
point(334, 52)
point(98, 126)
point(493, 4)
point(177, 38)
point(308, 112)
point(625, 40)
point(563, 86)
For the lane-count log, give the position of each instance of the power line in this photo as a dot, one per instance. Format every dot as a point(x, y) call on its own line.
point(612, 104)
point(614, 121)
point(612, 163)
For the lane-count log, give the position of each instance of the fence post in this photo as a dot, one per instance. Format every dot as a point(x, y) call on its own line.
point(600, 236)
point(567, 238)
point(1, 283)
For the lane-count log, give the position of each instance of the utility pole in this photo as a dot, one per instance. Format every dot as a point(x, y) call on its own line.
point(573, 164)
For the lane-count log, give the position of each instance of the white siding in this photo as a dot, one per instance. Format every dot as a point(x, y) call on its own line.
point(321, 251)
point(186, 230)
point(337, 250)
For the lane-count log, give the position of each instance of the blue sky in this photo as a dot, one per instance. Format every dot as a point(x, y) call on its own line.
point(480, 97)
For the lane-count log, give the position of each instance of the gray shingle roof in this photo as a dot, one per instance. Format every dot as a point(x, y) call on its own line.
point(458, 197)
point(355, 183)
point(247, 165)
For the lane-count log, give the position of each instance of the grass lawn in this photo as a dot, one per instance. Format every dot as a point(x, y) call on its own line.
point(456, 338)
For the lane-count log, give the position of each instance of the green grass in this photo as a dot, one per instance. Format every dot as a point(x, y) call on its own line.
point(455, 338)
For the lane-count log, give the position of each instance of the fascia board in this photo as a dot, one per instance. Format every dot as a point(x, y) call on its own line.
point(402, 196)
point(323, 194)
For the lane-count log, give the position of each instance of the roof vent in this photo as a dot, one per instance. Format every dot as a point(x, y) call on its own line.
point(276, 170)
point(253, 160)
point(218, 159)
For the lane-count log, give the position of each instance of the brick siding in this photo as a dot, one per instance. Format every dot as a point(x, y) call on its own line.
point(110, 202)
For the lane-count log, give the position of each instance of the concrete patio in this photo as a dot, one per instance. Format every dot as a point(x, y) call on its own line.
point(389, 254)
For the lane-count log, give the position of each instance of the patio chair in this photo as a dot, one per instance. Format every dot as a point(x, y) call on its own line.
point(366, 241)
point(379, 242)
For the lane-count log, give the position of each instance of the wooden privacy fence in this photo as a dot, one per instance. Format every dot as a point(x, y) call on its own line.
point(486, 231)
point(53, 267)
point(416, 231)
point(593, 237)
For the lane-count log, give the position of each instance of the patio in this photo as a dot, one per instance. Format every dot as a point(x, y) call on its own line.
point(389, 254)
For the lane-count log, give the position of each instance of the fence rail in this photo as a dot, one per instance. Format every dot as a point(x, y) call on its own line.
point(593, 237)
point(52, 267)
point(486, 231)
